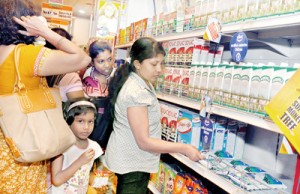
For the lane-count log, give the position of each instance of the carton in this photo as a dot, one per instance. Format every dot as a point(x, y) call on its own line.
point(172, 56)
point(154, 25)
point(265, 86)
point(168, 79)
point(160, 24)
point(218, 85)
point(189, 128)
point(211, 81)
point(148, 31)
point(204, 80)
point(254, 87)
point(176, 80)
point(169, 129)
point(219, 134)
point(230, 137)
point(192, 78)
point(197, 51)
point(240, 140)
point(218, 55)
point(184, 84)
point(197, 84)
point(245, 83)
point(227, 84)
point(235, 89)
point(169, 180)
point(140, 28)
point(189, 18)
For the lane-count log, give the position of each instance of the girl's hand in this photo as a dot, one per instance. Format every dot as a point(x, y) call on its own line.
point(87, 156)
point(193, 153)
point(34, 25)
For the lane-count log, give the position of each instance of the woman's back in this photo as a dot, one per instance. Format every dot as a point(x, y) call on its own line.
point(27, 65)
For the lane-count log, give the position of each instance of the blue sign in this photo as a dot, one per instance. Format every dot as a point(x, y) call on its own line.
point(206, 133)
point(238, 46)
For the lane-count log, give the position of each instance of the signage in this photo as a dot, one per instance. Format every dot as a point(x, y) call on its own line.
point(61, 12)
point(213, 30)
point(56, 2)
point(284, 110)
point(238, 46)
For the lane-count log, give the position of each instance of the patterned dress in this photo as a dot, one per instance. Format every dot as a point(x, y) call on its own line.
point(21, 178)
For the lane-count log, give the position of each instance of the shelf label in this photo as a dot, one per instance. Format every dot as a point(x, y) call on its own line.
point(238, 46)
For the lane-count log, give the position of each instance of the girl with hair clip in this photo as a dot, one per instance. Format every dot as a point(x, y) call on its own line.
point(135, 144)
point(71, 170)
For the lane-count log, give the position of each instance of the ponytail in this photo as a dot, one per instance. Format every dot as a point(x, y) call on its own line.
point(116, 83)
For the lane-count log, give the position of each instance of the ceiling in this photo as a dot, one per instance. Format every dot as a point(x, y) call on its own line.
point(81, 8)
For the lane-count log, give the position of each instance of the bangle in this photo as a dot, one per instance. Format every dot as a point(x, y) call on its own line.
point(59, 41)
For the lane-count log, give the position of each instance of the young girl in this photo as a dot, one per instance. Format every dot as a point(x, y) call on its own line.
point(71, 170)
point(95, 79)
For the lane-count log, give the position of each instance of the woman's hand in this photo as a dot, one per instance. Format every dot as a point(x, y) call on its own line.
point(193, 153)
point(34, 25)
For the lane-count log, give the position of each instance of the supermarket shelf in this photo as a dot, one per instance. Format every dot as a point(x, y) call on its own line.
point(224, 184)
point(263, 23)
point(272, 22)
point(123, 45)
point(242, 116)
point(152, 188)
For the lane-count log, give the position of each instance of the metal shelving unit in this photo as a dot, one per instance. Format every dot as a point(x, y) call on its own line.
point(239, 115)
point(271, 22)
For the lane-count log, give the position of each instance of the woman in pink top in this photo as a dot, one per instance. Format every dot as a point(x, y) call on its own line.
point(96, 77)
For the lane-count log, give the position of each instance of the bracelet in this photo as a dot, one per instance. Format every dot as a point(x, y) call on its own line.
point(59, 41)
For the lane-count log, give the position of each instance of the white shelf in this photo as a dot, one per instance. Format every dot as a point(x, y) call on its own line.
point(224, 184)
point(152, 188)
point(239, 115)
point(247, 25)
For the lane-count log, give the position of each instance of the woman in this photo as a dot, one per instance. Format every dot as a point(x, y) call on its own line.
point(95, 84)
point(135, 144)
point(95, 79)
point(20, 25)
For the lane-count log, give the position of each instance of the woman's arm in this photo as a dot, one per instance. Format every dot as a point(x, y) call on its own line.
point(60, 176)
point(68, 58)
point(138, 121)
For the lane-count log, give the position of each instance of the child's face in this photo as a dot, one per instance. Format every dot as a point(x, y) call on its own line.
point(83, 125)
point(104, 62)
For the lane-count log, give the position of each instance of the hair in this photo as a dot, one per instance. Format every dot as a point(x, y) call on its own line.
point(142, 49)
point(77, 110)
point(55, 79)
point(61, 32)
point(8, 27)
point(97, 47)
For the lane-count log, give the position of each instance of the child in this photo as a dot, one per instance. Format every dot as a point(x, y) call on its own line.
point(71, 170)
point(95, 79)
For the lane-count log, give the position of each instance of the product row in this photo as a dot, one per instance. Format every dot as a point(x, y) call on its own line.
point(247, 87)
point(207, 134)
point(197, 16)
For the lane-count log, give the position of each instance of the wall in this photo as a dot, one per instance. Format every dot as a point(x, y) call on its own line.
point(80, 30)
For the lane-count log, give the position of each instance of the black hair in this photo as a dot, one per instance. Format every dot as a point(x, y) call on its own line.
point(61, 32)
point(142, 49)
point(97, 47)
point(77, 110)
point(8, 27)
